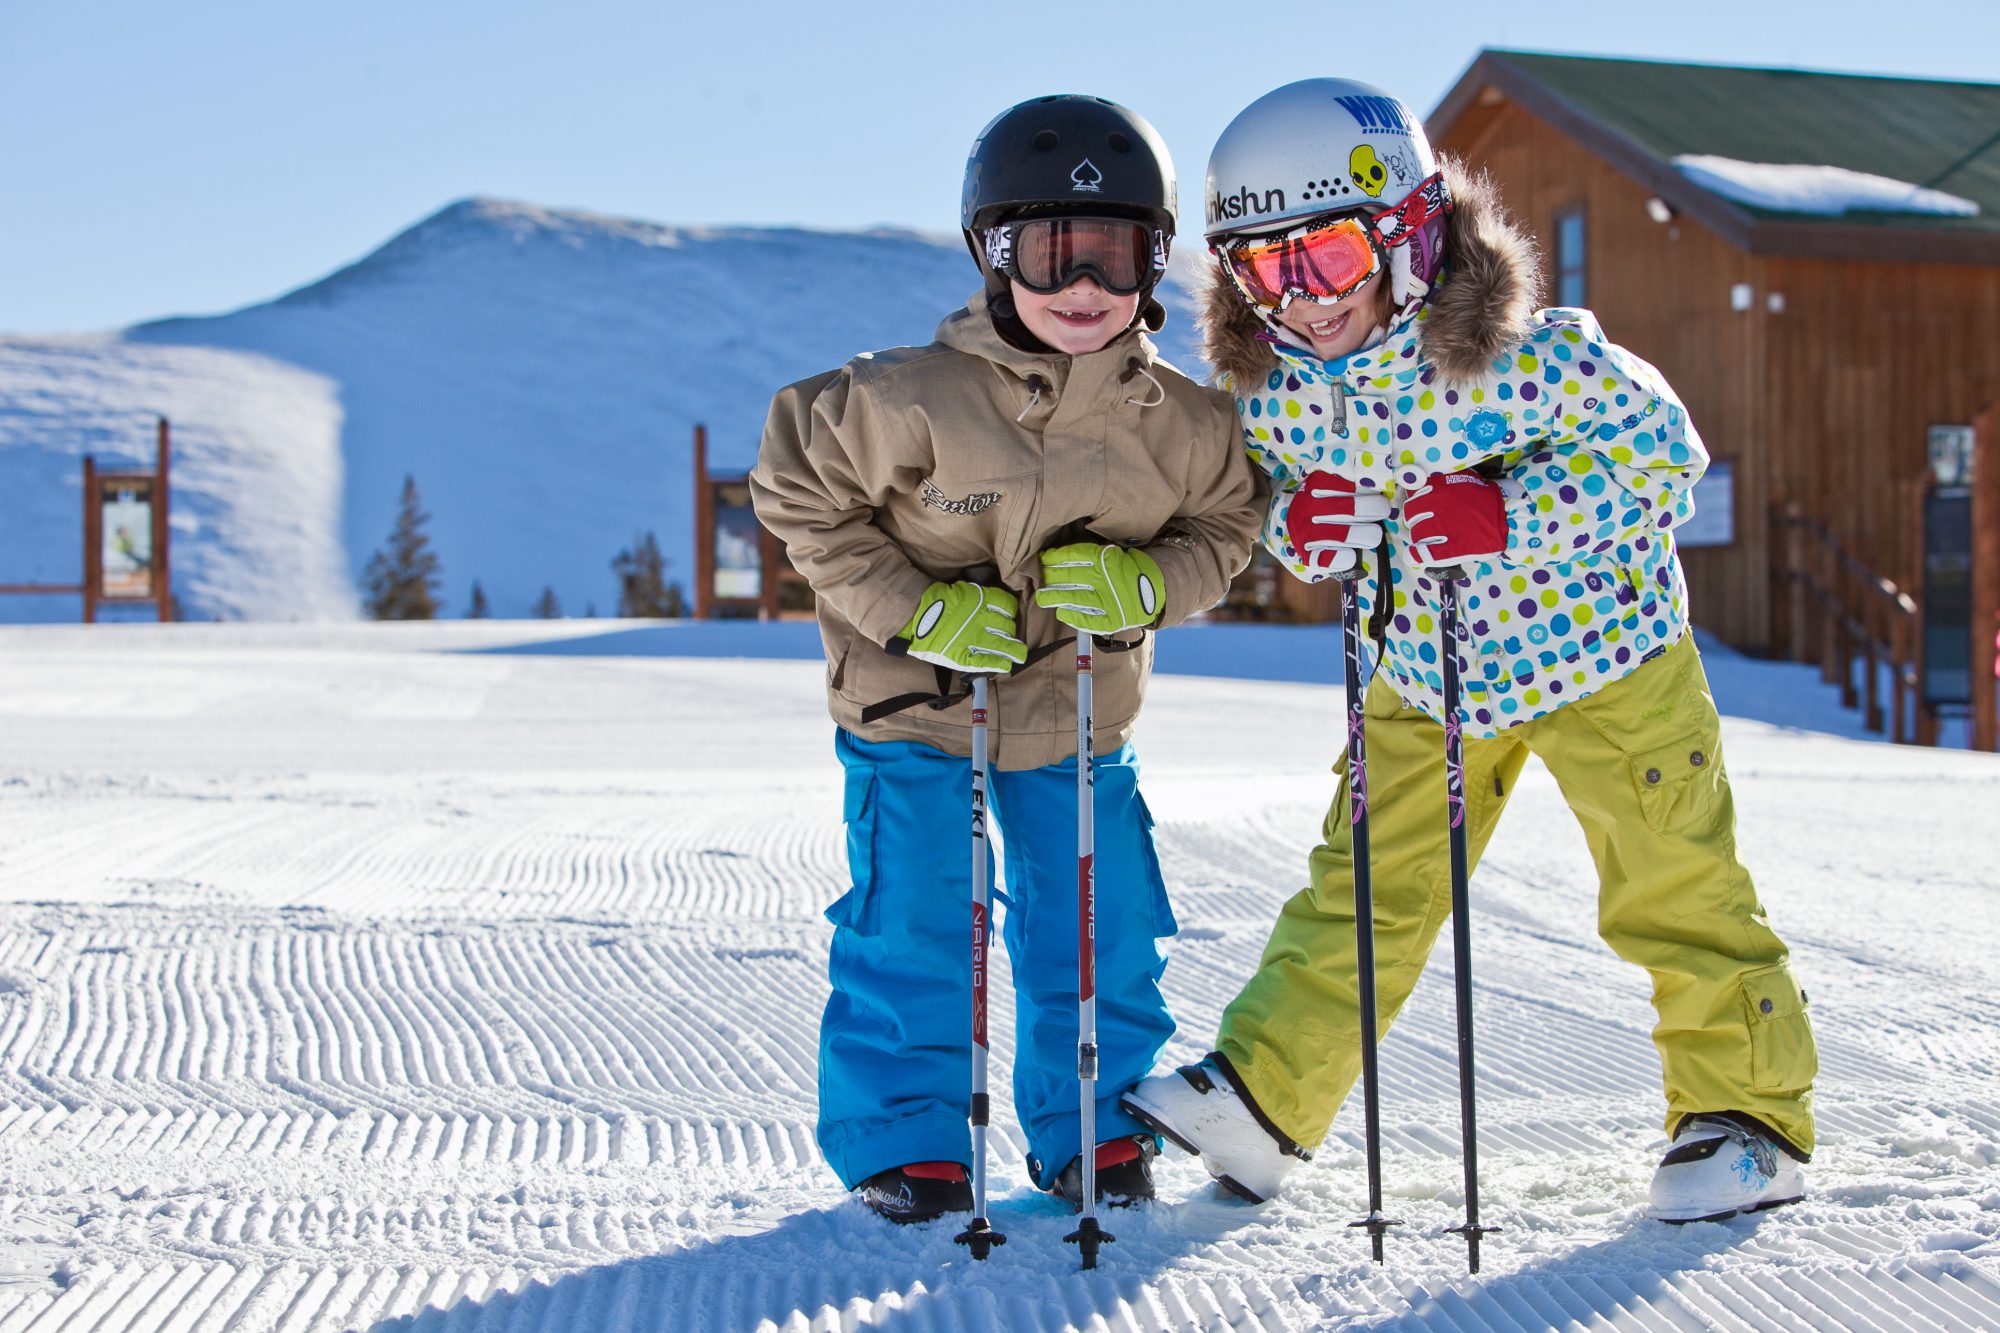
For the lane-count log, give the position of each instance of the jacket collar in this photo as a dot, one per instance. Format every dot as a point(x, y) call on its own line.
point(971, 330)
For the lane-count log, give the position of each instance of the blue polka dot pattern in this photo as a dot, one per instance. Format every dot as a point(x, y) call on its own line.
point(1598, 460)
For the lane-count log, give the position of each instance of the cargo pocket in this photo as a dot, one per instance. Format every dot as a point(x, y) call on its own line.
point(855, 909)
point(1164, 924)
point(1783, 1057)
point(1677, 783)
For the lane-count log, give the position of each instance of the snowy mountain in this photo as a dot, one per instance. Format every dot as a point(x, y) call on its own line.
point(539, 372)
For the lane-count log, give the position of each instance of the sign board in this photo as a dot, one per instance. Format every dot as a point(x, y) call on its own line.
point(1713, 522)
point(739, 564)
point(125, 536)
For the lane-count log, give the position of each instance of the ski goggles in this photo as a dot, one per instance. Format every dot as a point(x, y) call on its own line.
point(1046, 255)
point(1330, 258)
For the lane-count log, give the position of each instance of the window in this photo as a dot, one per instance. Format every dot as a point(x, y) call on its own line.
point(1569, 257)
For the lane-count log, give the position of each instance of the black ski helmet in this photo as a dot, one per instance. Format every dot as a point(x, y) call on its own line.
point(1066, 153)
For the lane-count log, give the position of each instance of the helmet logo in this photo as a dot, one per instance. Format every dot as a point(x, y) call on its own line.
point(1086, 178)
point(1366, 170)
point(1378, 113)
point(1246, 201)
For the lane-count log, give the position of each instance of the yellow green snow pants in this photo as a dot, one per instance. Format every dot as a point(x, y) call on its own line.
point(1640, 764)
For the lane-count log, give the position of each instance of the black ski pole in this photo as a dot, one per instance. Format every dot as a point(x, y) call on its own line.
point(1088, 1236)
point(979, 1234)
point(1364, 902)
point(1461, 904)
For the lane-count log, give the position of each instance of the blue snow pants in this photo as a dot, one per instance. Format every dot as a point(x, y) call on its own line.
point(895, 1054)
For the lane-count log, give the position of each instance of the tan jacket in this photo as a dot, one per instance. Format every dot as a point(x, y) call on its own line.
point(912, 465)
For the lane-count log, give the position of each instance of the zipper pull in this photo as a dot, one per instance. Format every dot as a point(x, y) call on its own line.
point(1340, 409)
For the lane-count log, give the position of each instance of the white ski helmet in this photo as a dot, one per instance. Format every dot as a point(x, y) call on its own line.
point(1323, 146)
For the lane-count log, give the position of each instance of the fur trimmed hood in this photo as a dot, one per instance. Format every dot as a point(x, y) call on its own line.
point(1484, 304)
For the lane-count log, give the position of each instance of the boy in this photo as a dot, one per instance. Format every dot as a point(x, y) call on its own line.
point(1037, 444)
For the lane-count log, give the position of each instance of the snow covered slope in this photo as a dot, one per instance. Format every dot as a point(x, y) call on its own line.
point(539, 372)
point(431, 978)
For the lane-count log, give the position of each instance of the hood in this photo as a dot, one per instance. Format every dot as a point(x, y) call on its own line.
point(1481, 307)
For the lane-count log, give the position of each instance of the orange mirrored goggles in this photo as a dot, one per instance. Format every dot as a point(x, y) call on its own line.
point(1326, 261)
point(1329, 258)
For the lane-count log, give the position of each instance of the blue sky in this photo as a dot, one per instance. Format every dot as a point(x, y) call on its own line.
point(196, 156)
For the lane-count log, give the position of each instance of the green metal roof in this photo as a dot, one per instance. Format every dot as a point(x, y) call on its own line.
point(1929, 132)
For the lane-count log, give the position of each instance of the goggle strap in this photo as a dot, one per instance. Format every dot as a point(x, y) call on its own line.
point(1431, 199)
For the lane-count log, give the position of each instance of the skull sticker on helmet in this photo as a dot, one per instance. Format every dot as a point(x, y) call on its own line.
point(1366, 170)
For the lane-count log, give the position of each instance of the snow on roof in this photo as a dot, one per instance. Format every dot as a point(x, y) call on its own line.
point(1805, 188)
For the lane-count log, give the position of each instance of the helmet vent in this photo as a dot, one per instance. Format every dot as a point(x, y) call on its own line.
point(1119, 143)
point(1046, 141)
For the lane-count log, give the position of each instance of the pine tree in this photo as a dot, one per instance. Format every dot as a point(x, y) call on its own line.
point(403, 576)
point(643, 589)
point(547, 607)
point(479, 610)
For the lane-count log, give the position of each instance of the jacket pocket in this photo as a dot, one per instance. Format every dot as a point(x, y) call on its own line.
point(1164, 924)
point(855, 909)
point(1783, 1056)
point(1677, 782)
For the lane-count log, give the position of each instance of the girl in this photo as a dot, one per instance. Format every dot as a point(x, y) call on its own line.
point(1373, 316)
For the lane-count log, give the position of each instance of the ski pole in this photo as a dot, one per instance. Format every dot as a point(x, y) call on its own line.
point(1364, 902)
point(1088, 1236)
point(979, 1234)
point(1461, 904)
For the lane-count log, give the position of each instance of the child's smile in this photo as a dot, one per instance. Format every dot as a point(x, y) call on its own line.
point(1333, 331)
point(1079, 319)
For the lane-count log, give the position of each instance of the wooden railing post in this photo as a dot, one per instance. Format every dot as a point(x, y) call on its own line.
point(1985, 577)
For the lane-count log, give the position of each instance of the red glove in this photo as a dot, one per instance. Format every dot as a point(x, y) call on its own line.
point(1329, 521)
point(1455, 517)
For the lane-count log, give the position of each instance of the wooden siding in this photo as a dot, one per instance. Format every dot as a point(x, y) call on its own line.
point(1826, 401)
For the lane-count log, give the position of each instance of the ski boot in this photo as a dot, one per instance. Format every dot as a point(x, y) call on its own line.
point(918, 1192)
point(1124, 1173)
point(1720, 1165)
point(1202, 1109)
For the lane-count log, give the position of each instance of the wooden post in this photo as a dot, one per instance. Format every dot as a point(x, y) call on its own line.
point(704, 529)
point(1872, 661)
point(163, 584)
point(1985, 576)
point(93, 542)
point(769, 562)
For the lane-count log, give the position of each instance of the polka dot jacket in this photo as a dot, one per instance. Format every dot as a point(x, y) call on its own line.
point(1595, 455)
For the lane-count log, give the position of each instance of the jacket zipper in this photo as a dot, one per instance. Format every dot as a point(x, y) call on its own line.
point(1340, 409)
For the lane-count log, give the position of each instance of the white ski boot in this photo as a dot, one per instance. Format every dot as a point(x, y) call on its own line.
point(1717, 1167)
point(1201, 1109)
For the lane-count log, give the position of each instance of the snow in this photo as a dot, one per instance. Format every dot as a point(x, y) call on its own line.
point(538, 371)
point(466, 976)
point(1787, 187)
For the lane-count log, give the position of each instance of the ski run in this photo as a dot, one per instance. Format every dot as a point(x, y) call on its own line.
point(466, 977)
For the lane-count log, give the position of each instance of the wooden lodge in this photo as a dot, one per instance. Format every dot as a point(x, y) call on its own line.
point(1836, 364)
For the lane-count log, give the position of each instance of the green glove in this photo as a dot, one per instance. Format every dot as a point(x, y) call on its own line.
point(1102, 589)
point(966, 626)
